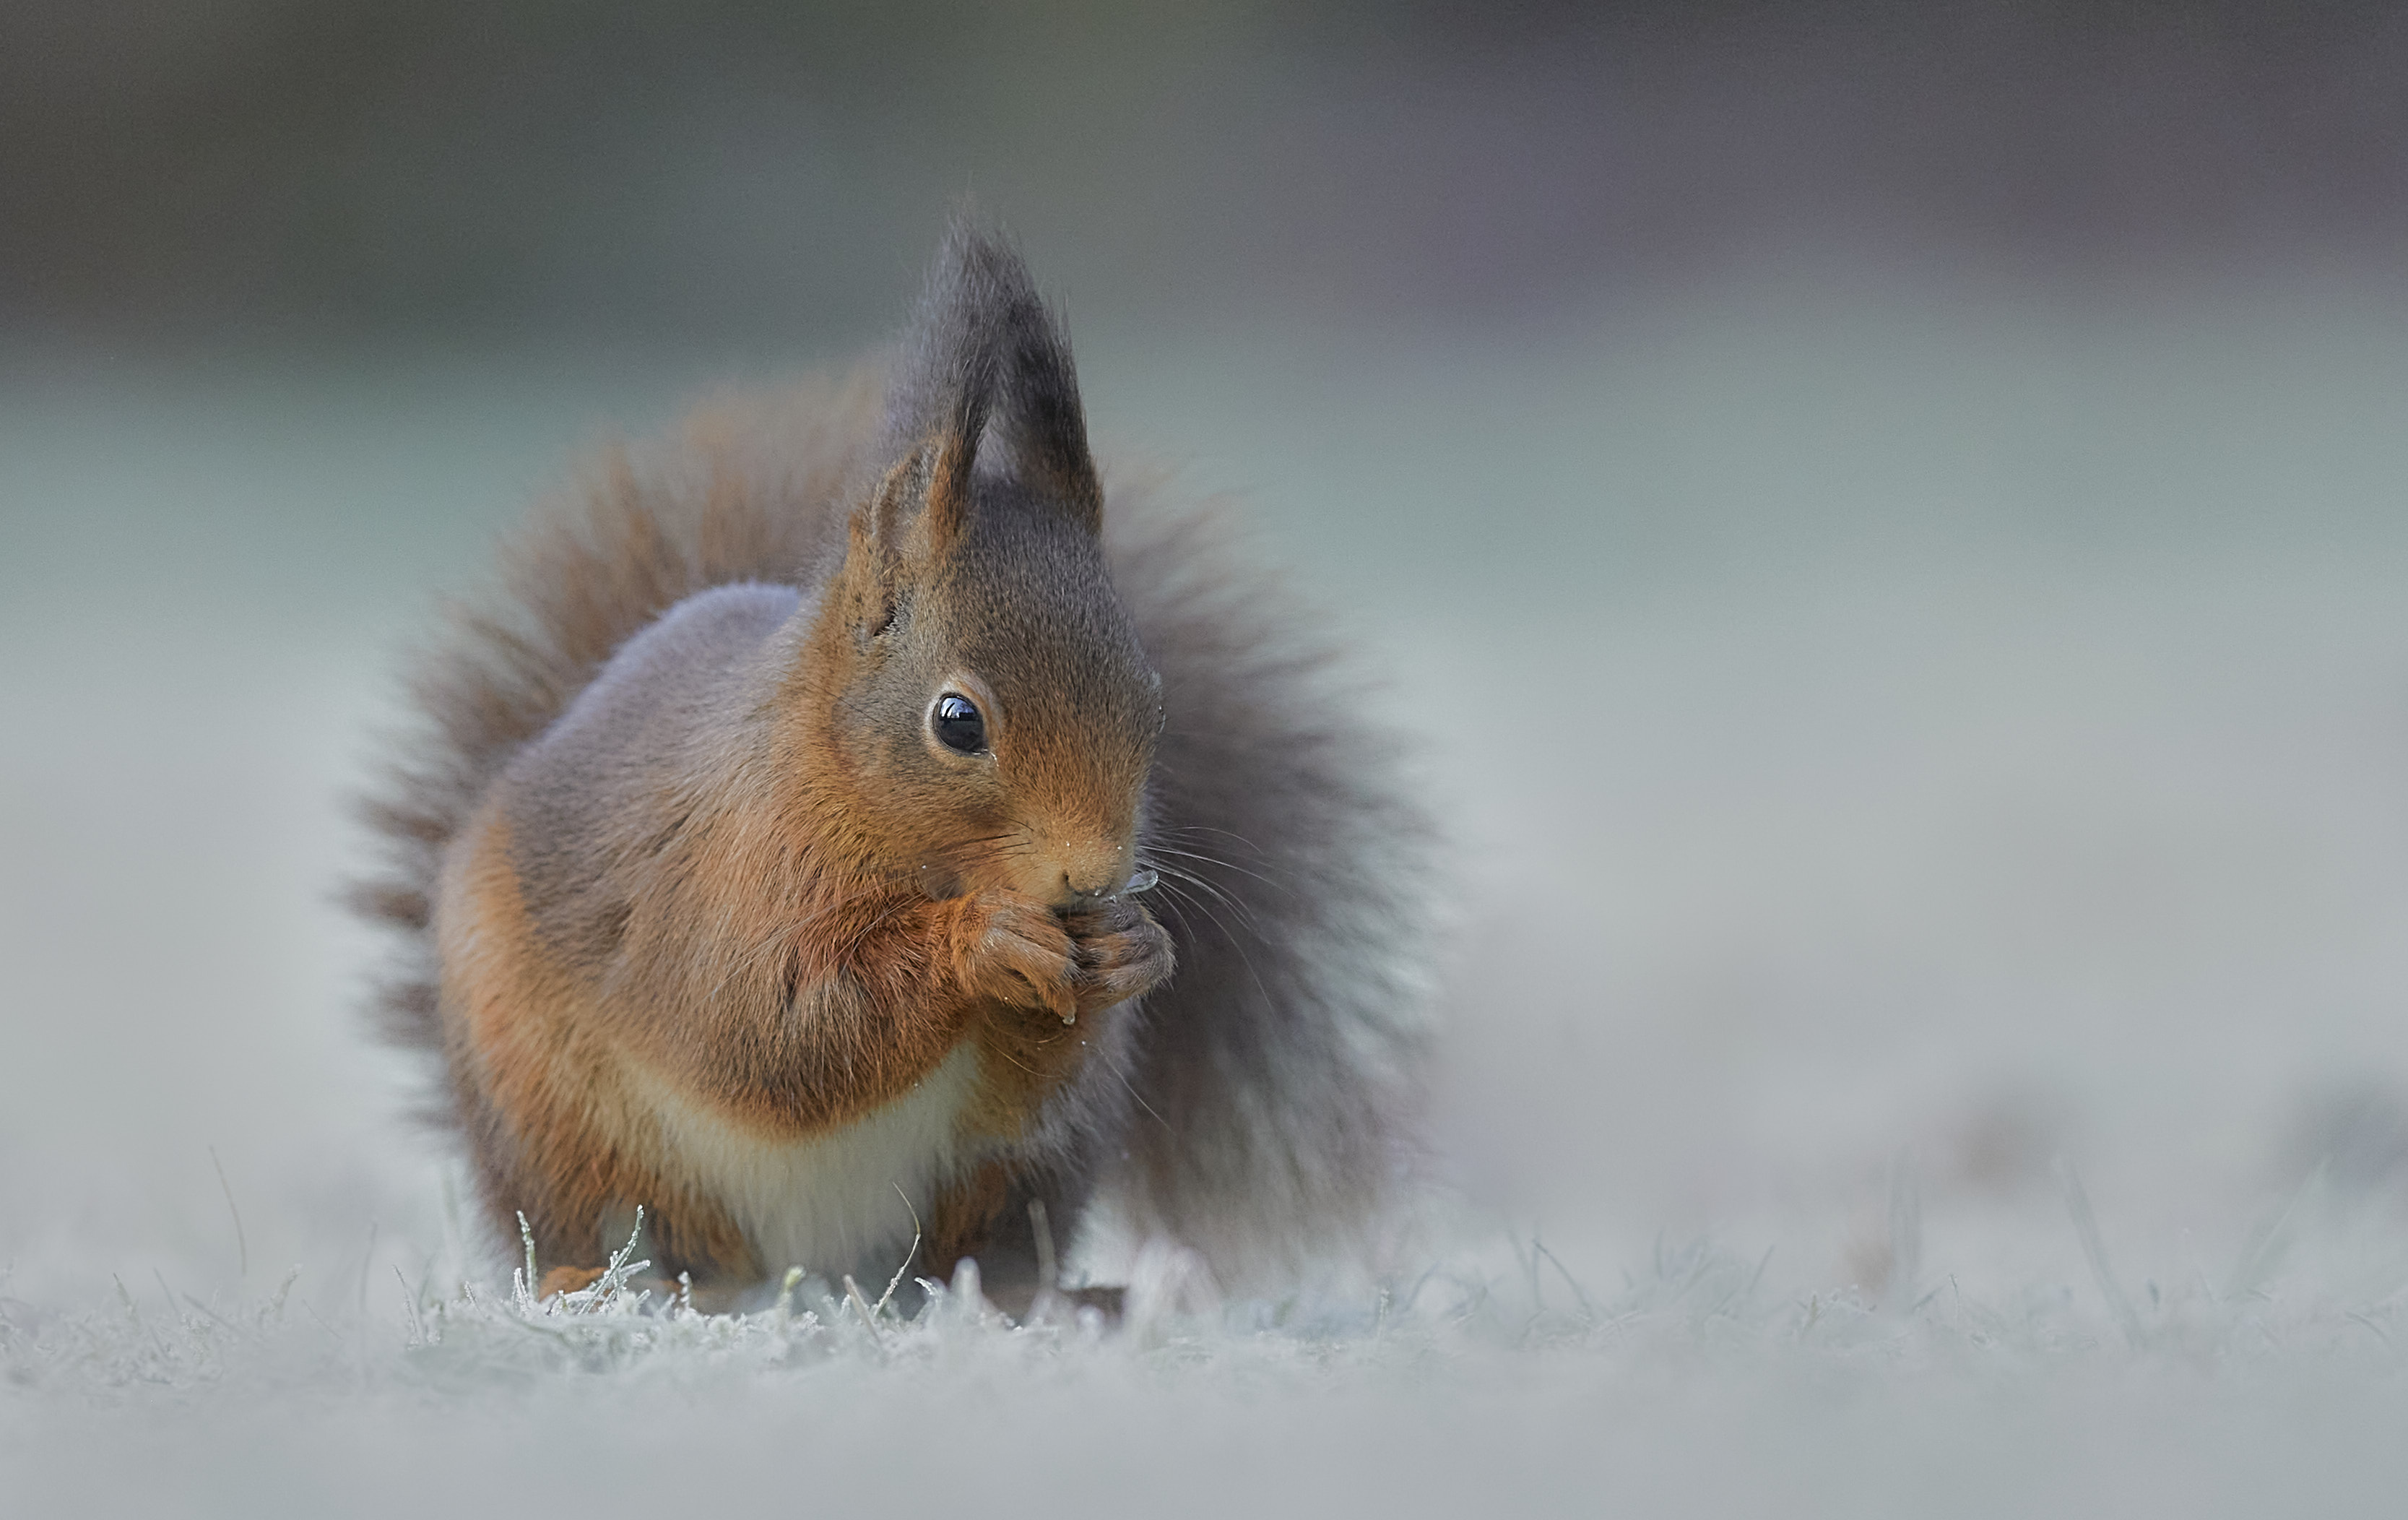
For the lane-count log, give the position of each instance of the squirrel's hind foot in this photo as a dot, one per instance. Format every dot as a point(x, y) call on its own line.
point(1024, 1304)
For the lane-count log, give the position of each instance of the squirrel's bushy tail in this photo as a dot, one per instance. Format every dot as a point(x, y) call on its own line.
point(1275, 1075)
point(1281, 1065)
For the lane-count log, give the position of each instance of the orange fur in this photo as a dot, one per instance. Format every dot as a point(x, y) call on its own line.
point(576, 1152)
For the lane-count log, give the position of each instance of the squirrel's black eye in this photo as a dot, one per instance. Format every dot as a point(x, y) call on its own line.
point(958, 725)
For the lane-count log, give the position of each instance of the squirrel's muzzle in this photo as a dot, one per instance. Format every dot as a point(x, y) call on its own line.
point(1089, 871)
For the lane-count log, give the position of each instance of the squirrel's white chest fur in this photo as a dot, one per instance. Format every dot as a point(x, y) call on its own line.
point(834, 1197)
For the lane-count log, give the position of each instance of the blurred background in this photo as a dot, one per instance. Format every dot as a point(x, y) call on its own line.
point(1885, 522)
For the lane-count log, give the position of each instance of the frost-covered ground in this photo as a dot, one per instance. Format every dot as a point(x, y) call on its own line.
point(1929, 775)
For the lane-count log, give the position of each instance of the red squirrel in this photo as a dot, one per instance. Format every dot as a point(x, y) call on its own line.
point(854, 825)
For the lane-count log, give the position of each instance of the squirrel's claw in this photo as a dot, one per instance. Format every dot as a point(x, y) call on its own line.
point(1122, 952)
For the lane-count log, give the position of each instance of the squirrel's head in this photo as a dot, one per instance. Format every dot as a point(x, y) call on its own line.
point(988, 714)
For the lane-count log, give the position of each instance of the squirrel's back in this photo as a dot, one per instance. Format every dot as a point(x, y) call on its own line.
point(1272, 1079)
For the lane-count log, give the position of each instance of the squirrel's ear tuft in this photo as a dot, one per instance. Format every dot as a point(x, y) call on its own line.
point(984, 346)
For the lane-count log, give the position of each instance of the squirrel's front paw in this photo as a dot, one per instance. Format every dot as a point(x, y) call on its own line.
point(1014, 950)
point(1122, 951)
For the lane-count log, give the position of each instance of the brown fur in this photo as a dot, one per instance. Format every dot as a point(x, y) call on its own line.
point(792, 907)
point(965, 1219)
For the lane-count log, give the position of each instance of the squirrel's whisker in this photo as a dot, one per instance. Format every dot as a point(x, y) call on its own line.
point(1182, 829)
point(1235, 942)
point(1234, 904)
point(1215, 860)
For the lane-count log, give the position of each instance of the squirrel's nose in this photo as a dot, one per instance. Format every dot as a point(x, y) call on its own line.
point(1092, 870)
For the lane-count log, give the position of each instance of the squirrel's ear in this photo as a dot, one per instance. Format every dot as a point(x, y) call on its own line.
point(1041, 429)
point(878, 542)
point(982, 344)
